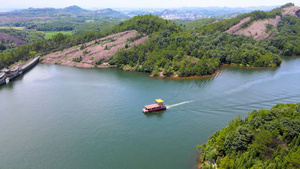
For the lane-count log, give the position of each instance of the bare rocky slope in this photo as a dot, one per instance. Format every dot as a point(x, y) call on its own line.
point(94, 51)
point(292, 11)
point(257, 29)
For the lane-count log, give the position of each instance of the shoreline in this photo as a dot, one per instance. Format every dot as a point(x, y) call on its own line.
point(158, 77)
point(188, 77)
point(250, 67)
point(106, 66)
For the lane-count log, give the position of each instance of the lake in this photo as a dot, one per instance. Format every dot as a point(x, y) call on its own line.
point(65, 117)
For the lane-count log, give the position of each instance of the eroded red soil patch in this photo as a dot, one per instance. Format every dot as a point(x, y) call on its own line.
point(99, 49)
point(292, 11)
point(258, 29)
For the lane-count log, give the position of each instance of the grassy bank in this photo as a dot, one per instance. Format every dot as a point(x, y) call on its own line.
point(49, 34)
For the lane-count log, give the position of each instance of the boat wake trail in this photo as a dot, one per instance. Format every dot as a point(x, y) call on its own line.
point(258, 81)
point(178, 104)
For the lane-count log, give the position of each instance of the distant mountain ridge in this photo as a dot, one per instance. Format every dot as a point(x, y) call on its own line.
point(75, 9)
point(185, 13)
point(56, 12)
point(208, 12)
point(193, 13)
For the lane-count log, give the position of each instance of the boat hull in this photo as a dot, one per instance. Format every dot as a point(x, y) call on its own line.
point(154, 110)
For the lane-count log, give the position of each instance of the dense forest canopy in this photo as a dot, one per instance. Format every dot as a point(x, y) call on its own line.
point(173, 50)
point(287, 40)
point(28, 36)
point(37, 24)
point(265, 139)
point(192, 25)
point(200, 51)
point(65, 19)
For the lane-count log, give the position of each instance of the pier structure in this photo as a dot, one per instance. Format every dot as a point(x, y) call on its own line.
point(8, 74)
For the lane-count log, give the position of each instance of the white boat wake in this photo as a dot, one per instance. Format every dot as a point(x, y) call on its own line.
point(178, 104)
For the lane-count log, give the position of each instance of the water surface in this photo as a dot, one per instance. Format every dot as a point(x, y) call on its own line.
point(66, 117)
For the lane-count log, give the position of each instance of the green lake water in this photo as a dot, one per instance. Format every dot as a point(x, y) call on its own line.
point(65, 117)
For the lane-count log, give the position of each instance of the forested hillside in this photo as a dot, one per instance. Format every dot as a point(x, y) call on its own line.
point(287, 40)
point(265, 139)
point(192, 25)
point(12, 38)
point(59, 42)
point(71, 18)
point(172, 50)
point(254, 16)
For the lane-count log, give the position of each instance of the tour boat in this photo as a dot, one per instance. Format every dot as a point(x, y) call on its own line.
point(158, 105)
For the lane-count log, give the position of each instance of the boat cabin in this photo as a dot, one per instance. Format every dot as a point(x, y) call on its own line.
point(158, 105)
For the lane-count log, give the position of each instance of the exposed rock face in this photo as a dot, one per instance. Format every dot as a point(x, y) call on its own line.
point(93, 52)
point(258, 29)
point(292, 11)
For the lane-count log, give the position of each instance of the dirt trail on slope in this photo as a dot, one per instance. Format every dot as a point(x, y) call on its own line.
point(99, 49)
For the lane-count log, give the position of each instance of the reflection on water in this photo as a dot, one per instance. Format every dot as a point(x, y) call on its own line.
point(10, 85)
point(157, 114)
point(65, 117)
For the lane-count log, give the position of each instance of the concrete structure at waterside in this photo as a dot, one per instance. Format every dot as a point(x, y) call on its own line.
point(2, 78)
point(9, 74)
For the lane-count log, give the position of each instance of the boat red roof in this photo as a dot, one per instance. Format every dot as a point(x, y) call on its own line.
point(150, 106)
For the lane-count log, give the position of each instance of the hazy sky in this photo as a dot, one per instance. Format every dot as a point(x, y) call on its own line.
point(87, 4)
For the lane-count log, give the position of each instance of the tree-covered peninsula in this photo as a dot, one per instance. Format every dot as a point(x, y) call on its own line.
point(264, 139)
point(173, 50)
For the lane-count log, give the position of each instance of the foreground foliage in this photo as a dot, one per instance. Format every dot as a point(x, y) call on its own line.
point(265, 139)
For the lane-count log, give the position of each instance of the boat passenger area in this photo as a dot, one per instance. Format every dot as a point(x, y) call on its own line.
point(158, 105)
